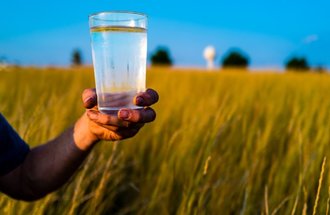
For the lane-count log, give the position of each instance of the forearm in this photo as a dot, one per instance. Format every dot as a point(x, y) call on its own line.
point(49, 166)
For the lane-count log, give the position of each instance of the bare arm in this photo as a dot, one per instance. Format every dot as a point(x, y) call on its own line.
point(49, 166)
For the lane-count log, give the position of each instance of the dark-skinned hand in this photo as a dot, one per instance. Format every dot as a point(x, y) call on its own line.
point(123, 124)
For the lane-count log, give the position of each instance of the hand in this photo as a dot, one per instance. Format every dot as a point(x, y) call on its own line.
point(125, 124)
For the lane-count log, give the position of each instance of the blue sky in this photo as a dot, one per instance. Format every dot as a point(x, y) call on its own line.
point(43, 33)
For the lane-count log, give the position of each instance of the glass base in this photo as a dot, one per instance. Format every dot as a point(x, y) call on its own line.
point(114, 110)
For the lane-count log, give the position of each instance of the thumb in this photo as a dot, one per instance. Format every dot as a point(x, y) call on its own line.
point(89, 98)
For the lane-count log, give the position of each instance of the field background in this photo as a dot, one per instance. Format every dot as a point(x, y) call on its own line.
point(223, 143)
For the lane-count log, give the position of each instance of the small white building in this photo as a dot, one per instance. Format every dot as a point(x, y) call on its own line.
point(209, 55)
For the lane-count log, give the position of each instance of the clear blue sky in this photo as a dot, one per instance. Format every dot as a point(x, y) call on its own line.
point(45, 32)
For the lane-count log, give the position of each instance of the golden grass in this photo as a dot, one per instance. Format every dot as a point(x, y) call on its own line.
point(319, 187)
point(328, 202)
point(223, 143)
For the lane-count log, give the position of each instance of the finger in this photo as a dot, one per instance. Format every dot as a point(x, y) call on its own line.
point(106, 119)
point(137, 115)
point(89, 98)
point(147, 98)
point(126, 133)
point(117, 128)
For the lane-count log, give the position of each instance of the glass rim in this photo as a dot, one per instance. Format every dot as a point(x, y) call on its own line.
point(93, 15)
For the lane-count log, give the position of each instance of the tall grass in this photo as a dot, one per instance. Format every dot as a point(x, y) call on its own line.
point(222, 143)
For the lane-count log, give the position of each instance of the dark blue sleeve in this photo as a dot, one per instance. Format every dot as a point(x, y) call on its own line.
point(13, 149)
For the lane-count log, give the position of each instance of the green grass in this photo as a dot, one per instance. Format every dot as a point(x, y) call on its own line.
point(222, 143)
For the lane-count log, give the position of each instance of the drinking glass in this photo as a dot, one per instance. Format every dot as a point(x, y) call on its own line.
point(119, 49)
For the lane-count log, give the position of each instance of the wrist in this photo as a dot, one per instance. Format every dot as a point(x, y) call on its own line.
point(82, 135)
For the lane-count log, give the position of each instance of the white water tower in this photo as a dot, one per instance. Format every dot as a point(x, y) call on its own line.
point(209, 55)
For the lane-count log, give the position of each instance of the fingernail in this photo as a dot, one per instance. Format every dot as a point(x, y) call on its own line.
point(92, 115)
point(124, 114)
point(139, 100)
point(88, 99)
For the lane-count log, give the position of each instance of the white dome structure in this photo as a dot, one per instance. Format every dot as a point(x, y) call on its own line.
point(209, 55)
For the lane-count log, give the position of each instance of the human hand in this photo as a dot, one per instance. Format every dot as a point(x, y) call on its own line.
point(125, 124)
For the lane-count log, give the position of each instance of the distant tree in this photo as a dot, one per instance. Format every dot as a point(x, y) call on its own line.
point(76, 58)
point(298, 64)
point(235, 58)
point(161, 57)
point(320, 69)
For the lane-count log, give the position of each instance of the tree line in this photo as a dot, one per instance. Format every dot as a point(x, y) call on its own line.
point(233, 59)
point(236, 59)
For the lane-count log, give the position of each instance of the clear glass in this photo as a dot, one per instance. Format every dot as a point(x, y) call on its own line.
point(119, 49)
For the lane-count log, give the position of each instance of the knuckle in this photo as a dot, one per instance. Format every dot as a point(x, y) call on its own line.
point(104, 119)
point(108, 120)
point(113, 128)
point(117, 137)
point(135, 116)
point(107, 136)
point(121, 136)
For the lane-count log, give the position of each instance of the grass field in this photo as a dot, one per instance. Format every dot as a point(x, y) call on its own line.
point(222, 143)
